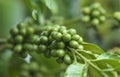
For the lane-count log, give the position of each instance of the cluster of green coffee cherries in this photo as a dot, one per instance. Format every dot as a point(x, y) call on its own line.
point(116, 16)
point(52, 41)
point(31, 70)
point(94, 14)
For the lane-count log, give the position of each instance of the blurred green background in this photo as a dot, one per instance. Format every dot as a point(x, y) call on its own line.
point(14, 11)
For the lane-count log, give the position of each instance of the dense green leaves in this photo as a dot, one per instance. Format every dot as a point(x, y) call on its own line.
point(76, 70)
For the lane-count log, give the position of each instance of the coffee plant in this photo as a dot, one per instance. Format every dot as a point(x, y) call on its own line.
point(53, 42)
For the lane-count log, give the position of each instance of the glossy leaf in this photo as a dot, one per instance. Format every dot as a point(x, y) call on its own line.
point(110, 59)
point(76, 70)
point(51, 4)
point(93, 48)
point(95, 73)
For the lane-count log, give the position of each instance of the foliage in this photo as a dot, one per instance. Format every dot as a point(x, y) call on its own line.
point(40, 46)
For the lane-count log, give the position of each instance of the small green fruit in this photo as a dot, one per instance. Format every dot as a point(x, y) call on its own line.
point(67, 59)
point(76, 37)
point(60, 52)
point(19, 39)
point(42, 48)
point(72, 31)
point(73, 44)
point(18, 48)
point(66, 37)
point(43, 39)
point(14, 31)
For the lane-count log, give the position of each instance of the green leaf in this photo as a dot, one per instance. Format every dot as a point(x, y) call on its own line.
point(76, 70)
point(87, 54)
point(94, 73)
point(108, 61)
point(93, 48)
point(51, 4)
point(109, 56)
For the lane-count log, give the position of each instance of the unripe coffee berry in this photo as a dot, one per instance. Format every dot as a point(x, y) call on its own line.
point(61, 45)
point(19, 39)
point(67, 59)
point(96, 13)
point(23, 31)
point(86, 19)
point(14, 31)
point(30, 30)
point(75, 37)
point(86, 10)
point(66, 37)
point(43, 39)
point(42, 48)
point(73, 44)
point(18, 48)
point(72, 31)
point(95, 22)
point(102, 18)
point(21, 25)
point(54, 52)
point(28, 47)
point(60, 52)
point(57, 36)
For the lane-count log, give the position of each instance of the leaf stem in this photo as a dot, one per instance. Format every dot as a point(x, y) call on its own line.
point(93, 65)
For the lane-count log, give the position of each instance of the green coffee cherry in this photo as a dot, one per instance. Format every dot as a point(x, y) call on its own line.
point(54, 52)
point(43, 39)
point(28, 47)
point(34, 39)
point(19, 39)
point(96, 13)
point(30, 30)
point(63, 31)
point(75, 37)
point(80, 40)
point(80, 47)
point(23, 31)
point(57, 36)
point(72, 31)
point(66, 37)
point(18, 48)
point(60, 52)
point(21, 25)
point(116, 15)
point(67, 59)
point(96, 5)
point(73, 44)
point(42, 48)
point(61, 45)
point(45, 33)
point(102, 18)
point(14, 31)
point(95, 22)
point(86, 18)
point(86, 10)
